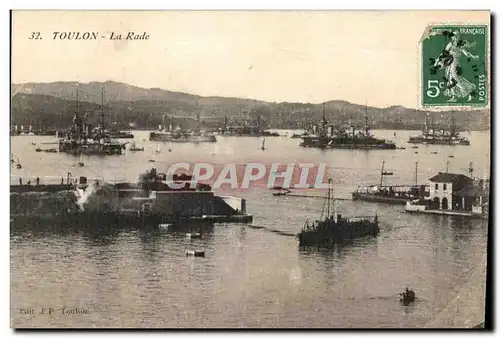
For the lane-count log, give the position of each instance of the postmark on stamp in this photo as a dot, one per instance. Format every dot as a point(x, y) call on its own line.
point(455, 65)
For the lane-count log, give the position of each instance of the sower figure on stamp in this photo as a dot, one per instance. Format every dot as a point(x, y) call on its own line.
point(456, 85)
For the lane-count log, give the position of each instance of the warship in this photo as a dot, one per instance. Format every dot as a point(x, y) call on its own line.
point(245, 129)
point(82, 138)
point(326, 136)
point(430, 135)
point(181, 135)
point(120, 134)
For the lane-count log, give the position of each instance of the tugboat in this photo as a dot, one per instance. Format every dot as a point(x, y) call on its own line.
point(331, 230)
point(342, 139)
point(407, 297)
point(431, 136)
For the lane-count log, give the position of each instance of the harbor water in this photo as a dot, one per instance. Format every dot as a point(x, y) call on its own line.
point(254, 275)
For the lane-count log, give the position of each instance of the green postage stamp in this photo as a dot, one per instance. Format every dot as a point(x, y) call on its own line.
point(455, 65)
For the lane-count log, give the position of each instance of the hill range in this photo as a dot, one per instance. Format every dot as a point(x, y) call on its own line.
point(54, 104)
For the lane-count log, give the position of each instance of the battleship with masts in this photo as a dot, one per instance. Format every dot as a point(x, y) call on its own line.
point(326, 136)
point(431, 136)
point(82, 138)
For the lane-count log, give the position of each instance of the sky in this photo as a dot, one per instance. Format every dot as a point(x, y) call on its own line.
point(296, 56)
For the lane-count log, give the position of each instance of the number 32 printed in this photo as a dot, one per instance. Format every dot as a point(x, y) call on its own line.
point(35, 36)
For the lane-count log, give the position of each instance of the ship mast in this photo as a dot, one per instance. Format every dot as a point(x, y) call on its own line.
point(367, 128)
point(323, 120)
point(330, 198)
point(453, 128)
point(77, 107)
point(416, 173)
point(382, 174)
point(102, 108)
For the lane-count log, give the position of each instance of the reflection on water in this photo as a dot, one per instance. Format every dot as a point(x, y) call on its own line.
point(253, 275)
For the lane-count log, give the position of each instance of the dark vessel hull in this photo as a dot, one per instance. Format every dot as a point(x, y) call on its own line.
point(121, 135)
point(380, 199)
point(363, 146)
point(440, 141)
point(329, 233)
point(259, 134)
point(91, 149)
point(334, 143)
point(167, 137)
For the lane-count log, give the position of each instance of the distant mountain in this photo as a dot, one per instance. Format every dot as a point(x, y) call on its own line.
point(55, 103)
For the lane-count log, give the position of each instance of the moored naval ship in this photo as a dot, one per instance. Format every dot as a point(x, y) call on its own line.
point(334, 229)
point(326, 136)
point(431, 136)
point(82, 138)
point(120, 134)
point(391, 194)
point(181, 135)
point(245, 129)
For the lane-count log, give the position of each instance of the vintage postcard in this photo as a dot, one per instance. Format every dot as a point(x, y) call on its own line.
point(249, 169)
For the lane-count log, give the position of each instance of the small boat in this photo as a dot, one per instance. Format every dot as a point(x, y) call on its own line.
point(407, 297)
point(80, 162)
point(414, 147)
point(263, 147)
point(134, 148)
point(158, 149)
point(284, 192)
point(165, 226)
point(195, 253)
point(151, 160)
point(195, 235)
point(434, 152)
point(18, 165)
